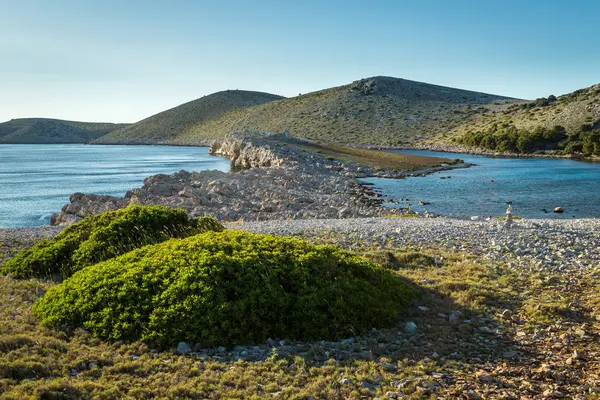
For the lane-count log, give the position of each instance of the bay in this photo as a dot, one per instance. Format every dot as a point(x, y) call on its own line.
point(534, 185)
point(37, 180)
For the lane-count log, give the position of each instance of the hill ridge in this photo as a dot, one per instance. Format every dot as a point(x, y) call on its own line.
point(160, 127)
point(377, 110)
point(52, 130)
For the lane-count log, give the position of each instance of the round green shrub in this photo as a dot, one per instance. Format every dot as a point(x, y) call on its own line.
point(227, 288)
point(104, 236)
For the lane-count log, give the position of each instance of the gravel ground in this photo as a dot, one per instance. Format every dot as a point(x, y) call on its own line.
point(13, 240)
point(548, 245)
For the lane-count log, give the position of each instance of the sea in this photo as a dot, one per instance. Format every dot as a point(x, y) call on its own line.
point(535, 186)
point(37, 180)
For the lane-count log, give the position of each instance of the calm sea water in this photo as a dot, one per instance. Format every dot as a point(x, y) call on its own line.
point(37, 180)
point(531, 184)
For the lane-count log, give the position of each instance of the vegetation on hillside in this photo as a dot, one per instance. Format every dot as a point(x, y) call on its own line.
point(44, 130)
point(227, 288)
point(164, 127)
point(508, 138)
point(101, 237)
point(565, 124)
point(380, 110)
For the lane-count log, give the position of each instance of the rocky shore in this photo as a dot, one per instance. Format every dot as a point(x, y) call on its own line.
point(270, 180)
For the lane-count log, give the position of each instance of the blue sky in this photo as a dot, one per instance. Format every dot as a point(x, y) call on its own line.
point(124, 60)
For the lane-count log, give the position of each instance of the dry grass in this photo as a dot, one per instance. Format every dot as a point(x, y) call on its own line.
point(394, 112)
point(486, 352)
point(371, 158)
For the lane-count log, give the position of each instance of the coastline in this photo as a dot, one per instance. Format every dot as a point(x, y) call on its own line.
point(274, 180)
point(442, 148)
point(451, 148)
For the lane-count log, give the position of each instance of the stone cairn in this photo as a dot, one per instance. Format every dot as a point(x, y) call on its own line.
point(509, 219)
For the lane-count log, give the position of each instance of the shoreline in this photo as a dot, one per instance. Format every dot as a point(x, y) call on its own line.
point(481, 152)
point(275, 180)
point(449, 148)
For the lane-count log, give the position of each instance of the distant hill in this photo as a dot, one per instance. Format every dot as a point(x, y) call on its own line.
point(379, 110)
point(44, 130)
point(167, 126)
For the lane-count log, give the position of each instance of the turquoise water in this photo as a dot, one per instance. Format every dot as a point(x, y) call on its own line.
point(37, 180)
point(532, 184)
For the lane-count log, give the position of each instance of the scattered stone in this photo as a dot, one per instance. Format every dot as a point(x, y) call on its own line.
point(454, 316)
point(388, 367)
point(345, 382)
point(484, 377)
point(510, 354)
point(183, 348)
point(410, 327)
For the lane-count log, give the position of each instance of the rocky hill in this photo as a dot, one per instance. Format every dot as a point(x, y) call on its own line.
point(380, 110)
point(167, 126)
point(44, 130)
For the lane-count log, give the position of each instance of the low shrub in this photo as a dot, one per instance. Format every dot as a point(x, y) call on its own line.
point(100, 237)
point(227, 288)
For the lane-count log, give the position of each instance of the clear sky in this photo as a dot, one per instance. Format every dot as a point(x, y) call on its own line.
point(124, 60)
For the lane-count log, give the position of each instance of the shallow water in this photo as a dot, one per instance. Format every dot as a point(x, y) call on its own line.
point(532, 184)
point(37, 180)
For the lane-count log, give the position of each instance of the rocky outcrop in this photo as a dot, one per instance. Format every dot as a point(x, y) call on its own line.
point(246, 154)
point(81, 205)
point(273, 180)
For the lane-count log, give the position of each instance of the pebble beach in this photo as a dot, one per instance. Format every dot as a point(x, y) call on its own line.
point(545, 245)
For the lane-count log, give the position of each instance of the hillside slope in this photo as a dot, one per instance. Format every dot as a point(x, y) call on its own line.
point(567, 124)
point(162, 128)
point(379, 110)
point(44, 131)
point(570, 111)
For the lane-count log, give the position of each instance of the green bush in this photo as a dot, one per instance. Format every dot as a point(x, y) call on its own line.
point(208, 224)
point(506, 137)
point(100, 237)
point(227, 288)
